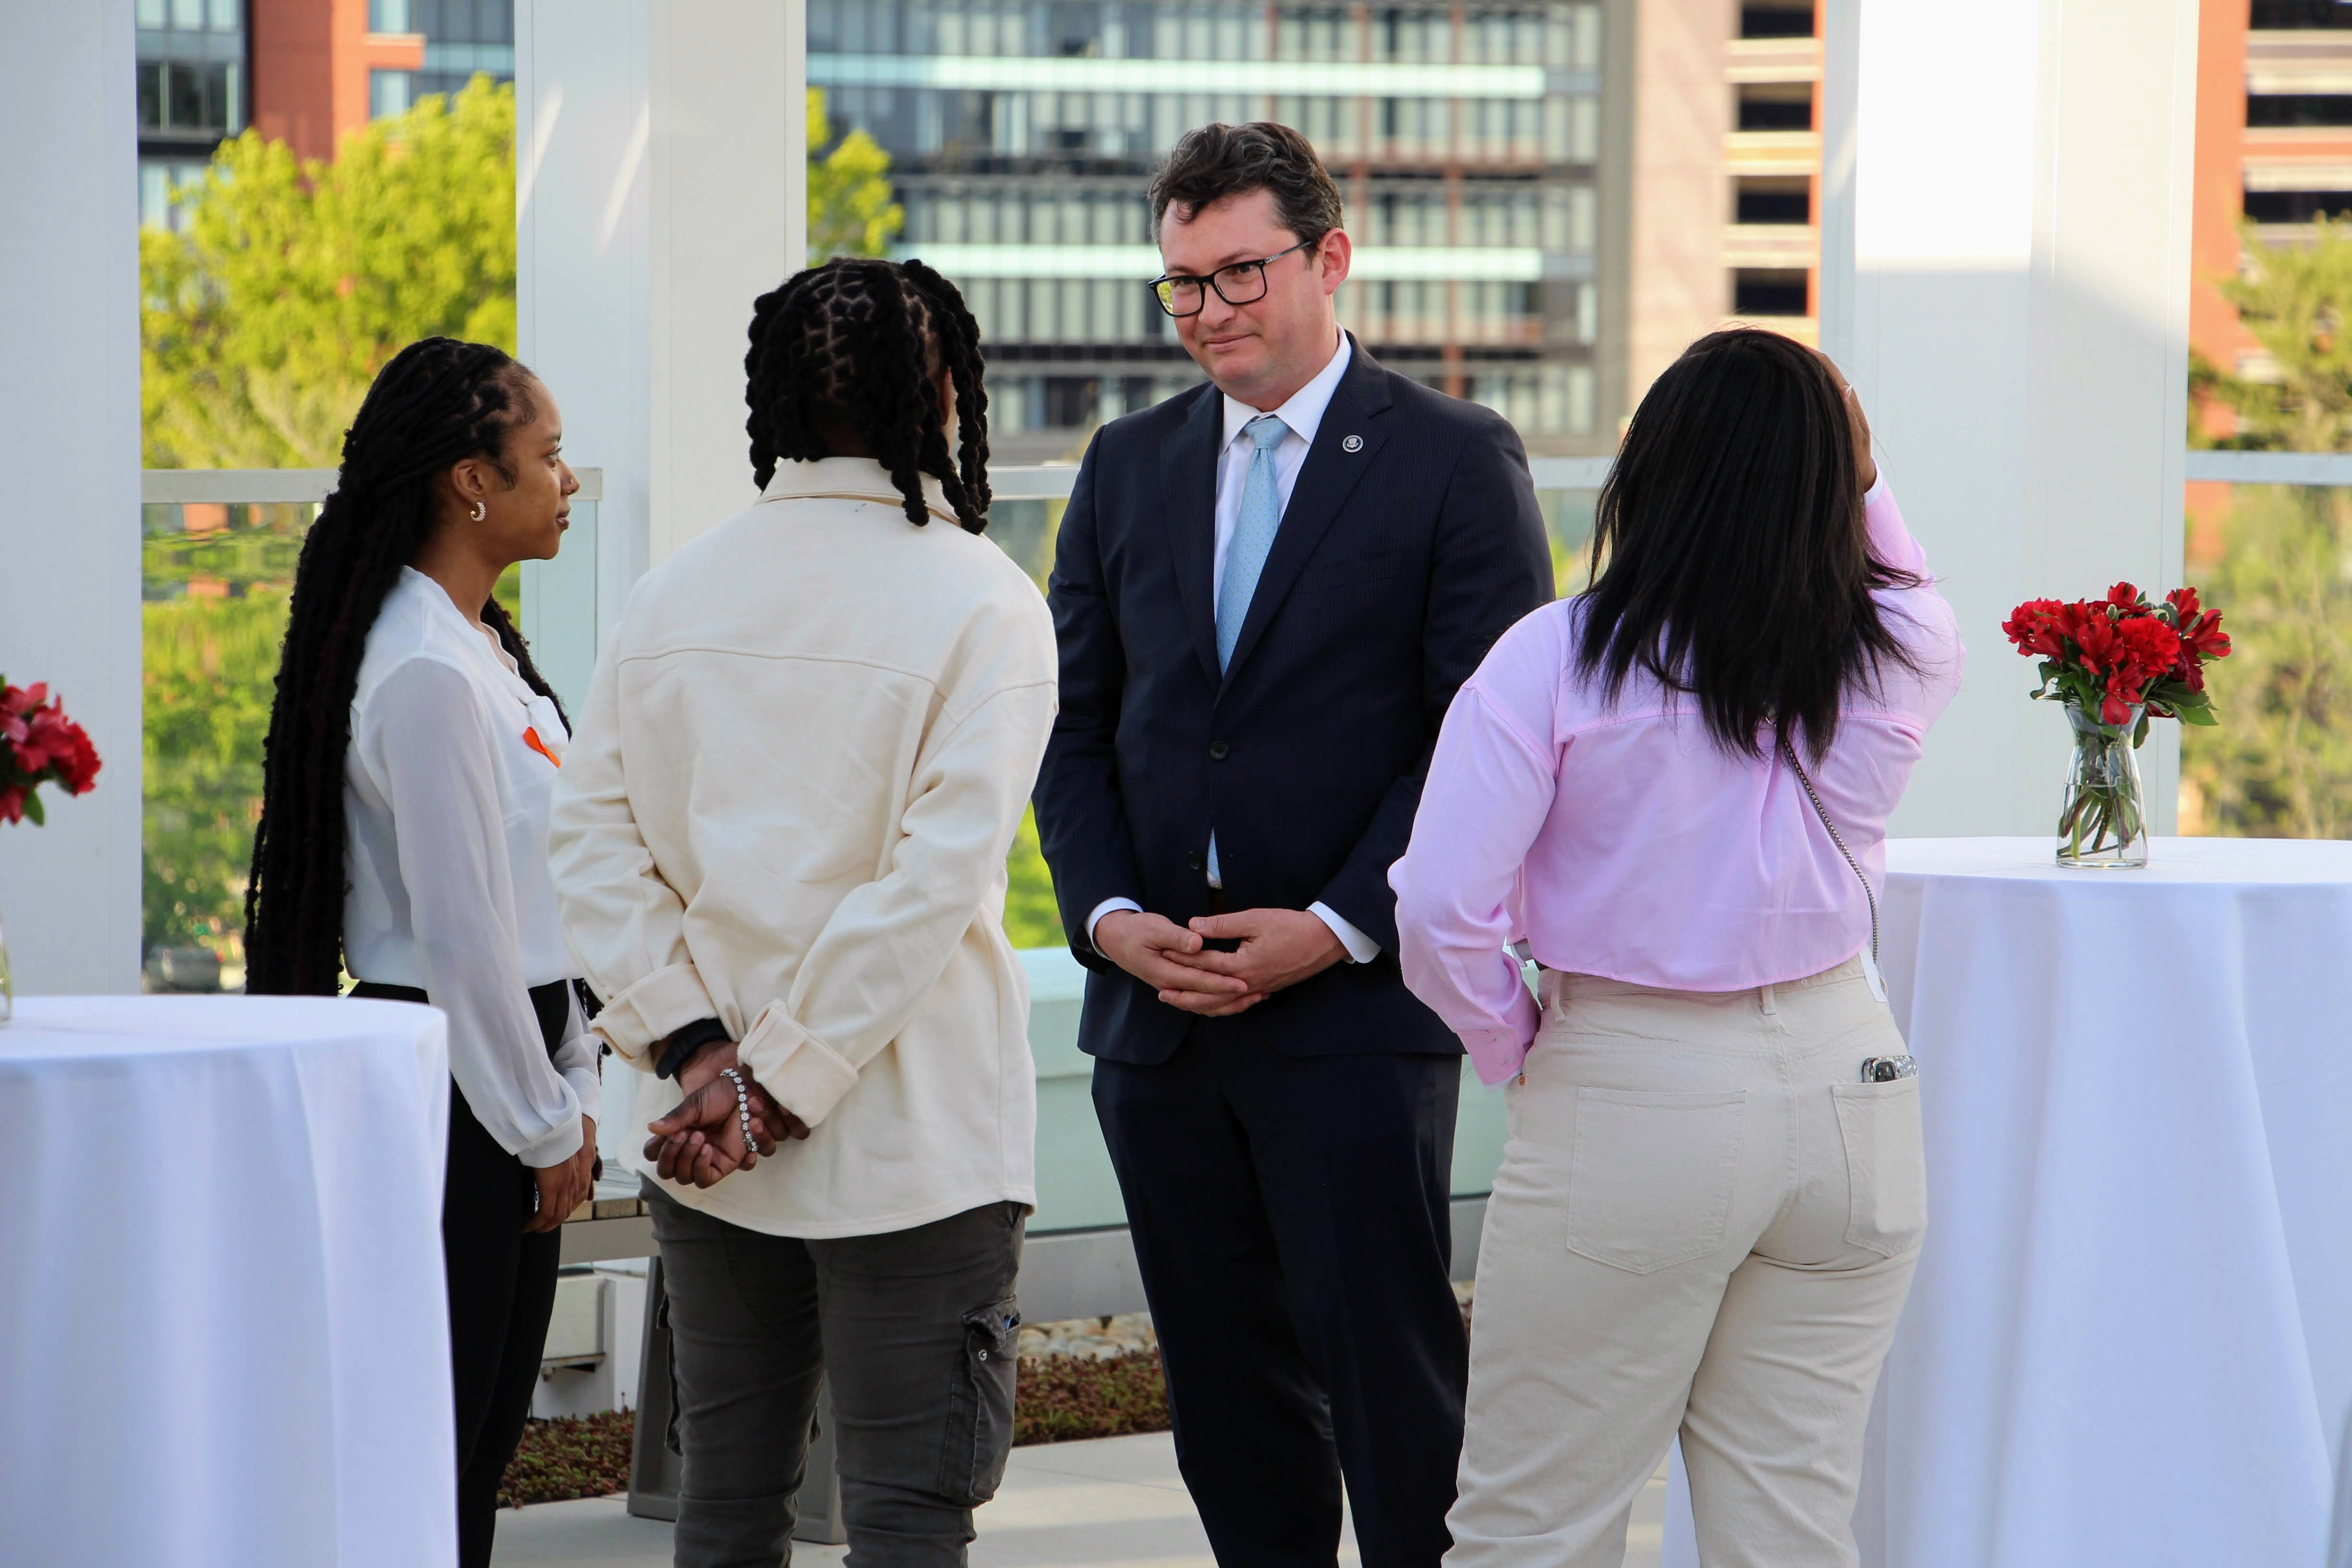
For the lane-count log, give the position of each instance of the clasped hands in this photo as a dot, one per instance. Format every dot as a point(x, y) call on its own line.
point(700, 1142)
point(1277, 948)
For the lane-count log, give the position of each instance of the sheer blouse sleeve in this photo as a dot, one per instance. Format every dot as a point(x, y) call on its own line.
point(425, 729)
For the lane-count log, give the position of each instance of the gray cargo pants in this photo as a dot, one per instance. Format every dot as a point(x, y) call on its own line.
point(918, 1332)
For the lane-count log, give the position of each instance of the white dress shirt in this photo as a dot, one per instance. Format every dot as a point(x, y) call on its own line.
point(1302, 415)
point(447, 784)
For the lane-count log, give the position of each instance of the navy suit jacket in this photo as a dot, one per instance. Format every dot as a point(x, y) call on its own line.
point(1410, 542)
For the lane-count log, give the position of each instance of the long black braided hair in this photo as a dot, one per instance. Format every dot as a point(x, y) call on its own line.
point(437, 402)
point(853, 344)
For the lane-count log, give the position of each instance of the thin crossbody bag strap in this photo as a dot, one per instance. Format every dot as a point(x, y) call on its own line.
point(1870, 962)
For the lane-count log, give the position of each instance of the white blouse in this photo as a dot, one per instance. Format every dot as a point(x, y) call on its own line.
point(451, 771)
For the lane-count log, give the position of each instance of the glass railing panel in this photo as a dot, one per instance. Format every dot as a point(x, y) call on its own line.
point(2276, 559)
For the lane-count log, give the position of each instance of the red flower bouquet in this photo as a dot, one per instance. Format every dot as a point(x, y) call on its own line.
point(2116, 663)
point(38, 745)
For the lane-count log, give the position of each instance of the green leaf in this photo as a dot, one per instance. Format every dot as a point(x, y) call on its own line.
point(34, 812)
point(2139, 733)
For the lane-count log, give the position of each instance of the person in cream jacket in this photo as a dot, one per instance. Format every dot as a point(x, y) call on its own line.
point(780, 842)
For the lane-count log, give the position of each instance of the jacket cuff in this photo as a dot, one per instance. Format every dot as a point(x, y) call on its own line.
point(653, 1009)
point(800, 1072)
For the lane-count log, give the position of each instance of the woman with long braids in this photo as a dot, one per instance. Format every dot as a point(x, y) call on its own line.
point(413, 751)
point(780, 843)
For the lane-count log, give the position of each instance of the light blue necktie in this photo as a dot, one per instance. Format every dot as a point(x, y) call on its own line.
point(1253, 531)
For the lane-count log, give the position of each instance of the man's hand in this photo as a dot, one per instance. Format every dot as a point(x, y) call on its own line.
point(564, 1186)
point(1278, 948)
point(1166, 957)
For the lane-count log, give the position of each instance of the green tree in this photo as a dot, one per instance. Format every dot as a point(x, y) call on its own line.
point(296, 279)
point(207, 713)
point(2280, 763)
point(850, 212)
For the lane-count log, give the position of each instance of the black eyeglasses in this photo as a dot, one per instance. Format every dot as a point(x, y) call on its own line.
point(1242, 283)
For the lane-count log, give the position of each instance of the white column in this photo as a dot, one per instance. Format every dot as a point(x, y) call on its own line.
point(69, 475)
point(2013, 181)
point(662, 162)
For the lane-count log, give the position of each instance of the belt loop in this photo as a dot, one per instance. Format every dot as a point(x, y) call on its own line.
point(1765, 1000)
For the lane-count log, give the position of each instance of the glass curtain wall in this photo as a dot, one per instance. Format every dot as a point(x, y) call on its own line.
point(1465, 137)
point(192, 90)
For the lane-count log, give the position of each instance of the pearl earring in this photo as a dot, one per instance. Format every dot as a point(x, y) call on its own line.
point(479, 512)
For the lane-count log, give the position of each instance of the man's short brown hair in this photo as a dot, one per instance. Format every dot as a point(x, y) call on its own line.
point(1214, 162)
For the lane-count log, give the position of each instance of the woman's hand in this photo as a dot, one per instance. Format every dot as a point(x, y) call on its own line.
point(563, 1187)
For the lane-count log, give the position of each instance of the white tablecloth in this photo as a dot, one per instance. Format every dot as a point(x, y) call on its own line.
point(222, 1333)
point(2130, 1338)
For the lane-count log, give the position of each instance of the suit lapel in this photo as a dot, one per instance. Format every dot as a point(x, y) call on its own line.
point(1188, 482)
point(1325, 482)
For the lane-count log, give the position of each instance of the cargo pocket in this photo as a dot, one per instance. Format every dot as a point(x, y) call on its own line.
point(980, 1405)
point(1651, 1177)
point(1886, 1164)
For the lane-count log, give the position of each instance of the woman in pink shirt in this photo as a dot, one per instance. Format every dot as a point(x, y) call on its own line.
point(1713, 1195)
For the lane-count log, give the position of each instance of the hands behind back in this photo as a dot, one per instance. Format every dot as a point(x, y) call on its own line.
point(700, 1142)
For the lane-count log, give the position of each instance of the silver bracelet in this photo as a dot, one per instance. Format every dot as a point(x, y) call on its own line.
point(742, 1106)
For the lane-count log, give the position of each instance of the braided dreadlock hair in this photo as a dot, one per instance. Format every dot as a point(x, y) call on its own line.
point(437, 402)
point(855, 343)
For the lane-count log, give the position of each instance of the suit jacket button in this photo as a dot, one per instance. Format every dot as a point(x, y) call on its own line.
point(1217, 750)
point(1193, 860)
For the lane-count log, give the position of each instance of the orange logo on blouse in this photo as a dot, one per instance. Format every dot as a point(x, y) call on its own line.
point(530, 738)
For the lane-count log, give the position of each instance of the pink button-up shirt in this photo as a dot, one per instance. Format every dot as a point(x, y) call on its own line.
point(1621, 841)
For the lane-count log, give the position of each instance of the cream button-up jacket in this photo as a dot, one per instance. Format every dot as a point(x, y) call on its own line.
point(802, 761)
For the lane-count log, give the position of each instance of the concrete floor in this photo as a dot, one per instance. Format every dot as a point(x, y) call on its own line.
point(1117, 1502)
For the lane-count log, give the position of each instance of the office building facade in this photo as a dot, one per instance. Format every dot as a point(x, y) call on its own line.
point(1467, 140)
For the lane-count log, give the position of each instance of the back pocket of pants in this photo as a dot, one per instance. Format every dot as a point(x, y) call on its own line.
point(1651, 1177)
point(1886, 1164)
point(980, 1405)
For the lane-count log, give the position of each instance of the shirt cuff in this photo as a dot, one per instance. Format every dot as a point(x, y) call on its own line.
point(589, 1090)
point(1107, 906)
point(1361, 949)
point(554, 1149)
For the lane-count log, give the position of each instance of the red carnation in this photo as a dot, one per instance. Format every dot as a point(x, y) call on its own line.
point(38, 745)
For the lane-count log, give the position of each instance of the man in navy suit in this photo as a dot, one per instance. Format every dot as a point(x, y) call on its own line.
point(1266, 591)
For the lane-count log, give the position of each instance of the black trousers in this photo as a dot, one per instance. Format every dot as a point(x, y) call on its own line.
point(1290, 1215)
point(501, 1290)
point(919, 1335)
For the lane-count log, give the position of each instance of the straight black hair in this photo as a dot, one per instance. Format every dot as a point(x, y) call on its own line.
point(438, 400)
point(1730, 554)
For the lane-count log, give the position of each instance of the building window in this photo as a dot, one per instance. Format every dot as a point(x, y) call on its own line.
point(1769, 291)
point(1776, 19)
point(390, 16)
point(2297, 206)
point(389, 93)
point(2293, 16)
point(1776, 106)
point(1772, 199)
point(2299, 108)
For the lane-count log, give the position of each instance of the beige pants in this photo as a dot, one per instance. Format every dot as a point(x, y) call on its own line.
point(1705, 1222)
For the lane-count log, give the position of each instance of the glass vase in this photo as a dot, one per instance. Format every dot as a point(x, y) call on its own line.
point(2104, 823)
